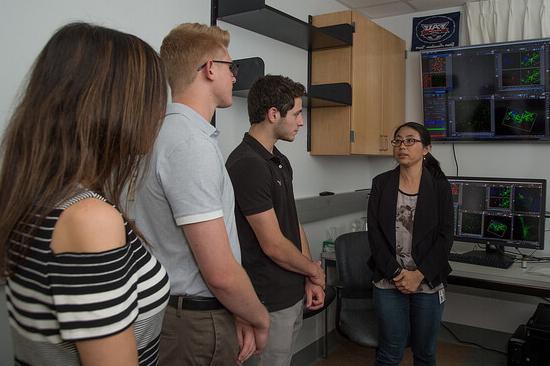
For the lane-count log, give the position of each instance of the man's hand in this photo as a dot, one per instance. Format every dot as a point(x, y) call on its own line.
point(408, 281)
point(318, 278)
point(245, 336)
point(260, 335)
point(315, 296)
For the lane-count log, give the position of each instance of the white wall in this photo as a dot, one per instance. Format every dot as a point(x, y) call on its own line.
point(521, 160)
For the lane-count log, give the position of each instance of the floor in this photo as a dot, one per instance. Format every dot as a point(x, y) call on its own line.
point(449, 353)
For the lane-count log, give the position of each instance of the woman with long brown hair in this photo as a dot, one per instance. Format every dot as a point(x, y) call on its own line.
point(81, 287)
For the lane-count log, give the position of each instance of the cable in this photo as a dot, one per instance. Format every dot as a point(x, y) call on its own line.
point(456, 161)
point(472, 343)
point(526, 256)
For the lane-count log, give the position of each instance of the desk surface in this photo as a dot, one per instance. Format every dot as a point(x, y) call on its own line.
point(533, 280)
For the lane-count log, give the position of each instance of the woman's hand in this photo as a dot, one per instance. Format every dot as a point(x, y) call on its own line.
point(408, 281)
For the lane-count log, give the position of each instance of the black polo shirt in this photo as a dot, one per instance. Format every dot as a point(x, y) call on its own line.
point(262, 181)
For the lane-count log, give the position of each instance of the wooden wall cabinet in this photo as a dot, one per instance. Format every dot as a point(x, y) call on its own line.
point(375, 67)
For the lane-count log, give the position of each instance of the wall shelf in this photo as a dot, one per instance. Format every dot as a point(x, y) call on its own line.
point(250, 70)
point(257, 17)
point(328, 95)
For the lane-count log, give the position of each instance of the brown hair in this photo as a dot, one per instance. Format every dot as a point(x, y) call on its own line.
point(91, 109)
point(186, 48)
point(272, 91)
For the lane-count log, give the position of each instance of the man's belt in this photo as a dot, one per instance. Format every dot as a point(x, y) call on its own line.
point(194, 303)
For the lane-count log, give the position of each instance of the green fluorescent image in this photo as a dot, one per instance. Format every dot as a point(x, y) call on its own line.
point(525, 229)
point(531, 77)
point(530, 59)
point(501, 197)
point(497, 228)
point(520, 120)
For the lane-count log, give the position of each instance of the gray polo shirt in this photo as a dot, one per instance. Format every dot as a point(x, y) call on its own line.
point(186, 183)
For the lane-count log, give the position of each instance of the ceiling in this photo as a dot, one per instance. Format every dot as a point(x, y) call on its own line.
point(386, 8)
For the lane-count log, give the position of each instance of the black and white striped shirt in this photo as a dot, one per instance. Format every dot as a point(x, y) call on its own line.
point(56, 299)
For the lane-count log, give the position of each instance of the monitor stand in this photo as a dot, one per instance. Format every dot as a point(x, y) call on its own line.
point(493, 256)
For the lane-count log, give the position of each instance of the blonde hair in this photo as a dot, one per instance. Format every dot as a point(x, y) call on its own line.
point(186, 48)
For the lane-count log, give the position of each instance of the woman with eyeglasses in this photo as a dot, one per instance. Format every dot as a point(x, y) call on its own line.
point(81, 286)
point(410, 217)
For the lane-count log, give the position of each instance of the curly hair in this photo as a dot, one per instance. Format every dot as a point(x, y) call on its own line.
point(272, 91)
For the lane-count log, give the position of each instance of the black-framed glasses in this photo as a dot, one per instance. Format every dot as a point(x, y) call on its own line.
point(409, 141)
point(233, 67)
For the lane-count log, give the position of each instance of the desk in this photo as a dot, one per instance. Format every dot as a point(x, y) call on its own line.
point(328, 259)
point(514, 279)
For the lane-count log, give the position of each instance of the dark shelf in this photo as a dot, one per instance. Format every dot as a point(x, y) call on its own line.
point(328, 95)
point(255, 16)
point(250, 69)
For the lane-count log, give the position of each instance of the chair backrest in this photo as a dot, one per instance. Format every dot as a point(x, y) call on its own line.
point(352, 254)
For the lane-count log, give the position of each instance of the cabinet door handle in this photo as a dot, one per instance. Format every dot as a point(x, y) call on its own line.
point(383, 143)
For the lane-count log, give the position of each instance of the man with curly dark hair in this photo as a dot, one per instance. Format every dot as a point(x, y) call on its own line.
point(274, 246)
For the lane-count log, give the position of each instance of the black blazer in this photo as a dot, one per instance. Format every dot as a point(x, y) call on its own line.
point(432, 229)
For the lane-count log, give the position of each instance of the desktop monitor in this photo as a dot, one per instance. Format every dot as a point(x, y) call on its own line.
point(499, 211)
point(492, 92)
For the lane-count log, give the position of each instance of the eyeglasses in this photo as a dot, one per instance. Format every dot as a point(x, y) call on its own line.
point(233, 67)
point(409, 141)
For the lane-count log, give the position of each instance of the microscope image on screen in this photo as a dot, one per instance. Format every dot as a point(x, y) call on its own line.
point(435, 76)
point(473, 116)
point(520, 116)
point(498, 227)
point(473, 197)
point(500, 197)
point(521, 68)
point(471, 223)
point(527, 199)
point(526, 228)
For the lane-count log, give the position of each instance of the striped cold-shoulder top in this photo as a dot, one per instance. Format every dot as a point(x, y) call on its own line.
point(56, 299)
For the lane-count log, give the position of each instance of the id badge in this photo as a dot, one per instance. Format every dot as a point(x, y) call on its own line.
point(441, 294)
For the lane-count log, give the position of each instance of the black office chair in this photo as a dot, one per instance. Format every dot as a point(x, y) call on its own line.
point(330, 295)
point(355, 317)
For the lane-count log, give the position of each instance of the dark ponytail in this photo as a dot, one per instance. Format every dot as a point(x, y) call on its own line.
point(429, 161)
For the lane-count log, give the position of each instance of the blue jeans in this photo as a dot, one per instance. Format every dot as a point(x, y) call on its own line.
point(406, 320)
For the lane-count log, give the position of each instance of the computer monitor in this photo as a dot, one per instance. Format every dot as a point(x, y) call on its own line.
point(499, 211)
point(490, 92)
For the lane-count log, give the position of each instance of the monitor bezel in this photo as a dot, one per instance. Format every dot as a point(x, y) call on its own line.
point(499, 242)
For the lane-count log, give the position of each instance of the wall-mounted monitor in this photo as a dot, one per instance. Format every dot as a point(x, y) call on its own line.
point(495, 92)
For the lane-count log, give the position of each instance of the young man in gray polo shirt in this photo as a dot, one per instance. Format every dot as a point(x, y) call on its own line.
point(185, 208)
point(274, 246)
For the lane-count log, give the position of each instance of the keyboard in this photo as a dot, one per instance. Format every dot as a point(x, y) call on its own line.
point(481, 258)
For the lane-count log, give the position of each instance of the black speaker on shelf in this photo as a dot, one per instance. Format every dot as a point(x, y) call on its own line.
point(538, 335)
point(530, 343)
point(517, 348)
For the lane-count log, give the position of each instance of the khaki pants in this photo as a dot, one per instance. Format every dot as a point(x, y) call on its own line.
point(198, 338)
point(284, 330)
